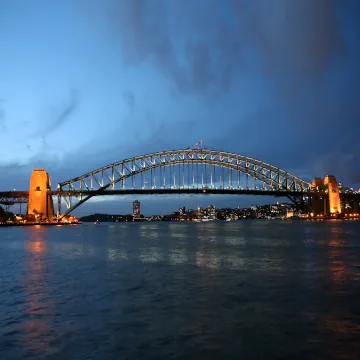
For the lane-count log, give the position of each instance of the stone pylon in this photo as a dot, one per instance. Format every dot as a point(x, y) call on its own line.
point(334, 205)
point(40, 203)
point(329, 203)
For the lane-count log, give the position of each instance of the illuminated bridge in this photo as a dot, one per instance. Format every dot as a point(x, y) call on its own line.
point(187, 171)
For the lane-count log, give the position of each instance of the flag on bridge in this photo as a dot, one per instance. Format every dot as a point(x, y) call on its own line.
point(198, 145)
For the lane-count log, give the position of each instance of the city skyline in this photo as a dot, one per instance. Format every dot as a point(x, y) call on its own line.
point(85, 96)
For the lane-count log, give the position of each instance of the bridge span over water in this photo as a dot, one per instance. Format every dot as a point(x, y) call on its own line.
point(185, 171)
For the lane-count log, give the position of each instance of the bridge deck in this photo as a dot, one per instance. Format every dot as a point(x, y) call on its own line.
point(10, 197)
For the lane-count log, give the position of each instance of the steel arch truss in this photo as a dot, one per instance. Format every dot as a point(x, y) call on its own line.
point(189, 168)
point(13, 197)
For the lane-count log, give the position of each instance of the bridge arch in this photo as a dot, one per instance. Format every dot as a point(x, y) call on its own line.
point(186, 162)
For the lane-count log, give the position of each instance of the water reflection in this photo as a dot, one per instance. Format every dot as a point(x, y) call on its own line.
point(208, 233)
point(176, 231)
point(151, 254)
point(36, 327)
point(337, 253)
point(205, 245)
point(343, 331)
point(71, 251)
point(178, 257)
point(236, 262)
point(106, 292)
point(114, 254)
point(339, 323)
point(209, 259)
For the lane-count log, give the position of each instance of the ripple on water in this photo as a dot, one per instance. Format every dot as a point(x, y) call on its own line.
point(251, 290)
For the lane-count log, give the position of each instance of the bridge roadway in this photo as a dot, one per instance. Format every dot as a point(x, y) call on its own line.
point(12, 197)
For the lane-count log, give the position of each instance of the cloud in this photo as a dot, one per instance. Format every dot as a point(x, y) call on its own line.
point(343, 164)
point(37, 143)
point(203, 51)
point(129, 100)
point(63, 114)
point(298, 36)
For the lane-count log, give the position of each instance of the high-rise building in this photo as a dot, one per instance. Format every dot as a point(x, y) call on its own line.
point(136, 209)
point(182, 211)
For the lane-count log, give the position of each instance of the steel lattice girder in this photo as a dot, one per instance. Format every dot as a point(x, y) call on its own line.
point(12, 201)
point(111, 174)
point(107, 176)
point(14, 197)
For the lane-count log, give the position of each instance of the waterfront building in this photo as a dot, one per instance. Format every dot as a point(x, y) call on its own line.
point(212, 212)
point(136, 209)
point(201, 212)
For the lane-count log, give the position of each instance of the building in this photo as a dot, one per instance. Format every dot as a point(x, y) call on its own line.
point(201, 212)
point(136, 209)
point(212, 212)
point(182, 211)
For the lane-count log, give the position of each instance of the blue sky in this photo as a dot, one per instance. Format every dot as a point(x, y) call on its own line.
point(84, 83)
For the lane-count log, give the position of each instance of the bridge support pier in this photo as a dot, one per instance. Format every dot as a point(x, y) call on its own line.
point(40, 204)
point(327, 203)
point(58, 211)
point(333, 204)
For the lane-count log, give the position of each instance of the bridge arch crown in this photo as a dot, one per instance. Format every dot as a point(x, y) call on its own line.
point(200, 168)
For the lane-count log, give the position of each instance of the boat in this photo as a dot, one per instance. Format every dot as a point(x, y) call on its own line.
point(205, 219)
point(96, 222)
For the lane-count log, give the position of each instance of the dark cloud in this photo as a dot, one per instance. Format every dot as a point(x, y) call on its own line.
point(297, 48)
point(294, 37)
point(129, 100)
point(63, 115)
point(202, 45)
point(53, 121)
point(345, 165)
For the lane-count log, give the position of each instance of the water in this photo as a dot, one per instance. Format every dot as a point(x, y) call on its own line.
point(238, 290)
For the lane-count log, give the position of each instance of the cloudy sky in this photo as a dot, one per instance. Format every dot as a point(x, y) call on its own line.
point(84, 83)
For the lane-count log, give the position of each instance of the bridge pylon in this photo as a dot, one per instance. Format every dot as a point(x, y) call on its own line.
point(40, 204)
point(327, 200)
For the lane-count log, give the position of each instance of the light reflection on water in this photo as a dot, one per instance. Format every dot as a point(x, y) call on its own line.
point(290, 289)
point(37, 331)
point(151, 255)
point(178, 257)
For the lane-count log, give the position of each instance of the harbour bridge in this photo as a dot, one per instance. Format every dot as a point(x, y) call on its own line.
point(185, 171)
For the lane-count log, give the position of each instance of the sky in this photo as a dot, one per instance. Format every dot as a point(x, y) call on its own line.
point(84, 83)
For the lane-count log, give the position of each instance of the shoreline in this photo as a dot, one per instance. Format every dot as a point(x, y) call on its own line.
point(195, 222)
point(40, 224)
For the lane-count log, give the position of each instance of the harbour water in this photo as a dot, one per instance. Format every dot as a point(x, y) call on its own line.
point(216, 290)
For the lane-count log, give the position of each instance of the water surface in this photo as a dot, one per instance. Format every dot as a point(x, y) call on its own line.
point(220, 290)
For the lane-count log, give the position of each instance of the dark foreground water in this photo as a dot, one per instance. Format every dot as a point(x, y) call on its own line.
point(238, 290)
